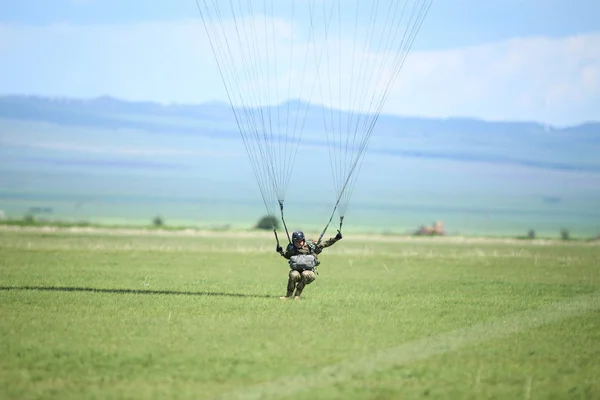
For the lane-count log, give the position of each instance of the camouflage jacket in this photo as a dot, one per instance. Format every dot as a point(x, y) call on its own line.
point(310, 247)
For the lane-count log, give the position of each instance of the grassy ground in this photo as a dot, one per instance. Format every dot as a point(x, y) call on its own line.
point(173, 316)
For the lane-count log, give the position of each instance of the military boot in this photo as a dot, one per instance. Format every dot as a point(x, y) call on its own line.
point(299, 289)
point(290, 290)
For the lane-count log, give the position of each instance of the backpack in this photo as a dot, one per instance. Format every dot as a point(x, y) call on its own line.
point(303, 262)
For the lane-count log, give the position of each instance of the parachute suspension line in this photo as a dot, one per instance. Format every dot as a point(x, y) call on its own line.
point(277, 177)
point(350, 114)
point(295, 141)
point(243, 39)
point(391, 13)
point(336, 147)
point(417, 15)
point(328, 63)
point(281, 176)
point(245, 120)
point(374, 76)
point(267, 137)
point(335, 140)
point(270, 138)
point(227, 81)
point(329, 129)
point(265, 152)
point(367, 72)
point(289, 93)
point(245, 46)
point(339, 71)
point(336, 206)
point(330, 79)
point(362, 71)
point(291, 144)
point(333, 212)
point(318, 59)
point(380, 73)
point(283, 220)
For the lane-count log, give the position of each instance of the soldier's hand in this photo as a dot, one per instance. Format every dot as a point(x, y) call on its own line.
point(279, 249)
point(339, 235)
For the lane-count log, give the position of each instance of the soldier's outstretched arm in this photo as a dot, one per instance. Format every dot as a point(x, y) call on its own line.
point(329, 242)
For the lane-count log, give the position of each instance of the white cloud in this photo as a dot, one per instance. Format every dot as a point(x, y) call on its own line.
point(550, 79)
point(528, 78)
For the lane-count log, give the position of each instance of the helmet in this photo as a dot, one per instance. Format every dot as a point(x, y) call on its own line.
point(298, 235)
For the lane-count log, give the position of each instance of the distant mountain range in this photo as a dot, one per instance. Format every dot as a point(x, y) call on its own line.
point(98, 112)
point(573, 148)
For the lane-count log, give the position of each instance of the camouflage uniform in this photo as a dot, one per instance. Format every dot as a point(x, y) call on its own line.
point(298, 280)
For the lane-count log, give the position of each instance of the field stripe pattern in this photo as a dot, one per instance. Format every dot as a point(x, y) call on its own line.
point(421, 349)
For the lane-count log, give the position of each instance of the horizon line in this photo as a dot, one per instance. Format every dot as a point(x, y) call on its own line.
point(227, 104)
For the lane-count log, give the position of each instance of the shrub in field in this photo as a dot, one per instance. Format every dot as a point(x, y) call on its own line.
point(267, 222)
point(158, 221)
point(564, 234)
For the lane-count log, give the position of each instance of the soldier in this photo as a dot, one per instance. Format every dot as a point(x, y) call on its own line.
point(303, 261)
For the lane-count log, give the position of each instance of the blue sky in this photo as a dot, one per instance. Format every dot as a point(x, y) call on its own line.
point(493, 59)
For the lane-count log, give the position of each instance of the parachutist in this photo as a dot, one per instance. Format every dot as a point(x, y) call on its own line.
point(271, 135)
point(302, 255)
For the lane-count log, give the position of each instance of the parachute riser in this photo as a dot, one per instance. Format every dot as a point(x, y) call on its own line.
point(326, 226)
point(337, 203)
point(283, 220)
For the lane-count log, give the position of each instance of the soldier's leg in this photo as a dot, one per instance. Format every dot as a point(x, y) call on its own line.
point(307, 278)
point(293, 279)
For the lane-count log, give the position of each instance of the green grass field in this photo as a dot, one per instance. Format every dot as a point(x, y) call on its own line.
point(175, 316)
